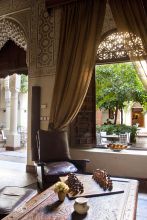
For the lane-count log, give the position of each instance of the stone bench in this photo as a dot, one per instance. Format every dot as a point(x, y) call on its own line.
point(12, 197)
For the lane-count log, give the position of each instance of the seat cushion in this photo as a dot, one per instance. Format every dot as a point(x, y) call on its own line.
point(59, 168)
point(52, 145)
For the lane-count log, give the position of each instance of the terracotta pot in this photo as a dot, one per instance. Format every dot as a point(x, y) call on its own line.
point(61, 196)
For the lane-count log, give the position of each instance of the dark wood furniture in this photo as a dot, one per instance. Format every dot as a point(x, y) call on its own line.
point(46, 206)
point(82, 128)
point(54, 158)
point(12, 60)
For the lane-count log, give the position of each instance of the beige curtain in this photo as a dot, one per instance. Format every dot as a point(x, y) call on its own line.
point(141, 67)
point(81, 25)
point(131, 16)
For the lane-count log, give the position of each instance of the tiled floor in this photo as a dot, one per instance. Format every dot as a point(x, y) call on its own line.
point(14, 174)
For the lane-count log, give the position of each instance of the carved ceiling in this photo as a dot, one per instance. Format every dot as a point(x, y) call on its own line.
point(10, 30)
point(42, 30)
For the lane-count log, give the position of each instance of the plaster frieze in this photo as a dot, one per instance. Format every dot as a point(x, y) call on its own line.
point(10, 6)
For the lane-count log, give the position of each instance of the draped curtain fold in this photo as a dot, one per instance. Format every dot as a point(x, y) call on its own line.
point(131, 16)
point(81, 25)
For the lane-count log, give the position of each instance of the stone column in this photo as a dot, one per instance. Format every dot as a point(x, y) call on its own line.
point(13, 141)
point(7, 103)
point(2, 104)
point(127, 115)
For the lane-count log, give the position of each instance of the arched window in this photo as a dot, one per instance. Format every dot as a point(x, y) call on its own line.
point(118, 46)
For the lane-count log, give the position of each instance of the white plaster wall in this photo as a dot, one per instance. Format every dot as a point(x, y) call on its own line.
point(128, 163)
point(145, 121)
point(47, 84)
point(23, 111)
point(105, 116)
point(127, 117)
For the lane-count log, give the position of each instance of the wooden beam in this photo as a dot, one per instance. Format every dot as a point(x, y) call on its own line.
point(12, 60)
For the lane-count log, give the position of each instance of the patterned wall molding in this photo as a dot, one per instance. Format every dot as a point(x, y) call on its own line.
point(45, 52)
point(42, 42)
point(12, 6)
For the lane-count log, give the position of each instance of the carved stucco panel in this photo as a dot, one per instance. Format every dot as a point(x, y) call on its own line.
point(42, 43)
point(30, 19)
point(20, 4)
point(23, 18)
point(5, 6)
point(45, 49)
point(10, 6)
point(33, 41)
point(109, 22)
point(10, 29)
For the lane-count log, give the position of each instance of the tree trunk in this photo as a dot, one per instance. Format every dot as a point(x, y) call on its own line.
point(121, 116)
point(116, 113)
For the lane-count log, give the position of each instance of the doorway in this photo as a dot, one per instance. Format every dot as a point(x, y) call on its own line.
point(138, 117)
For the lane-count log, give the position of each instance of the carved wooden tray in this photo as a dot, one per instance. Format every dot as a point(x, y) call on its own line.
point(91, 188)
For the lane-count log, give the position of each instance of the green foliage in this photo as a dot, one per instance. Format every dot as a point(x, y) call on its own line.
point(118, 84)
point(24, 83)
point(119, 129)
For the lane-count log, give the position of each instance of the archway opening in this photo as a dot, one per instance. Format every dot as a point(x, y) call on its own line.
point(14, 86)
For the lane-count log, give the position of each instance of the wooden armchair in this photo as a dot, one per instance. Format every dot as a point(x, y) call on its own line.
point(54, 158)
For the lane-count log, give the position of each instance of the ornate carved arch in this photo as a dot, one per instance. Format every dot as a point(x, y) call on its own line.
point(11, 30)
point(117, 46)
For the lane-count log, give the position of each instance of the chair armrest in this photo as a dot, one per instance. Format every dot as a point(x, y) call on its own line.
point(80, 164)
point(42, 164)
point(40, 168)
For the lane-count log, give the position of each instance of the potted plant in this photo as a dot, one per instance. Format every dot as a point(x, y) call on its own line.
point(62, 189)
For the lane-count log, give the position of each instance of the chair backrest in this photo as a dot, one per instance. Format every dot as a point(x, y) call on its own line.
point(52, 145)
point(2, 135)
point(123, 138)
point(103, 139)
point(98, 138)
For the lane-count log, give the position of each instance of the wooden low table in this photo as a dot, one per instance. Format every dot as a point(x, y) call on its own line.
point(46, 206)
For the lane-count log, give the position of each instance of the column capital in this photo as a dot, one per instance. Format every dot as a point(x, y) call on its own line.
point(14, 84)
point(6, 83)
point(2, 84)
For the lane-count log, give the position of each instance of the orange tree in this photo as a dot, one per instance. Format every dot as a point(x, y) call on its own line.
point(116, 86)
